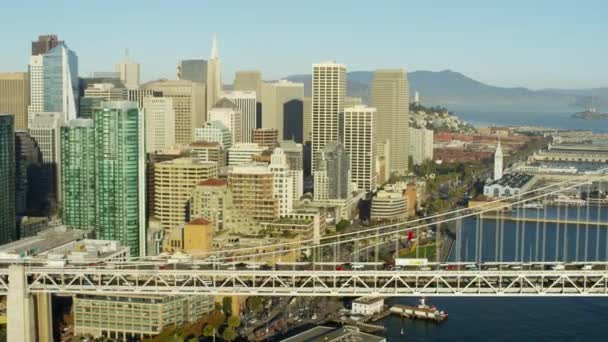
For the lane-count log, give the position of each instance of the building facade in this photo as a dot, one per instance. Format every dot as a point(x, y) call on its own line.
point(226, 112)
point(194, 70)
point(120, 181)
point(248, 80)
point(135, 316)
point(328, 91)
point(54, 83)
point(188, 105)
point(253, 192)
point(332, 179)
point(129, 72)
point(267, 137)
point(247, 103)
point(282, 108)
point(360, 125)
point(173, 184)
point(15, 96)
point(421, 145)
point(212, 200)
point(95, 94)
point(243, 153)
point(282, 181)
point(160, 123)
point(390, 97)
point(8, 226)
point(45, 130)
point(78, 173)
point(214, 131)
point(389, 205)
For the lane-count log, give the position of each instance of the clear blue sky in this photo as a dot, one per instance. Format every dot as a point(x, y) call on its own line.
point(537, 44)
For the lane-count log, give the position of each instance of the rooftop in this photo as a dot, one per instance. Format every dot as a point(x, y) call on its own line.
point(213, 182)
point(203, 143)
point(368, 300)
point(199, 221)
point(513, 180)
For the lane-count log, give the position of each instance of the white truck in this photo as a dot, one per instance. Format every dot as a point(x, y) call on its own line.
point(411, 262)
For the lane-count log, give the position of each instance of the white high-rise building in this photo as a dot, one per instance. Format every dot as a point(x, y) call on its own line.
point(282, 181)
point(390, 96)
point(360, 125)
point(129, 72)
point(54, 83)
point(242, 153)
point(226, 112)
point(160, 123)
point(246, 102)
point(214, 78)
point(328, 91)
point(214, 131)
point(421, 145)
point(46, 131)
point(283, 107)
point(498, 160)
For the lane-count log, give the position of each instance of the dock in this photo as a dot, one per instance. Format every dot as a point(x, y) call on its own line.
point(422, 311)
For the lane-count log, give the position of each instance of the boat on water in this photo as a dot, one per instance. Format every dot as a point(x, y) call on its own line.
point(420, 311)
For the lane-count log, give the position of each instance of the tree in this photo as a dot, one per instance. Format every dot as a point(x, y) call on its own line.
point(216, 319)
point(256, 305)
point(229, 334)
point(227, 305)
point(208, 330)
point(234, 321)
point(342, 225)
point(192, 339)
point(175, 338)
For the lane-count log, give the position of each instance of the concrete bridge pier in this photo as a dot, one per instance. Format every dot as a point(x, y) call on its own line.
point(19, 307)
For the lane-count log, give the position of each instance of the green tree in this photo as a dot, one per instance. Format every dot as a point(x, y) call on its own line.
point(192, 339)
point(342, 225)
point(229, 334)
point(234, 321)
point(256, 305)
point(227, 305)
point(175, 338)
point(208, 330)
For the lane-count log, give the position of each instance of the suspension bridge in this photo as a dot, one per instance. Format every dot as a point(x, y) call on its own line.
point(505, 247)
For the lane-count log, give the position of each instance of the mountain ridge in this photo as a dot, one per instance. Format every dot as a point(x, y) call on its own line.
point(457, 91)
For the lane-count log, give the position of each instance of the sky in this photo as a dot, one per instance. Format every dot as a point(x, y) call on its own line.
point(535, 44)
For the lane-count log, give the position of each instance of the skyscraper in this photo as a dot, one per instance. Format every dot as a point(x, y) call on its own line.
point(15, 96)
point(246, 102)
point(45, 129)
point(283, 106)
point(174, 181)
point(95, 94)
point(194, 70)
point(226, 112)
point(44, 44)
point(360, 124)
point(188, 105)
point(129, 71)
point(328, 91)
point(78, 173)
point(27, 167)
point(160, 123)
point(332, 179)
point(214, 78)
point(54, 83)
point(120, 182)
point(8, 227)
point(282, 181)
point(390, 97)
point(248, 80)
point(215, 131)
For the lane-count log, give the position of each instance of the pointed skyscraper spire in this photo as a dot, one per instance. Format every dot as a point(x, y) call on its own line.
point(214, 52)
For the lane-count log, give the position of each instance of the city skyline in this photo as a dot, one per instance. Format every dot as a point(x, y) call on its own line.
point(505, 46)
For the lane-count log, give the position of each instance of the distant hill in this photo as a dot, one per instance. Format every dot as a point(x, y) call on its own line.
point(459, 92)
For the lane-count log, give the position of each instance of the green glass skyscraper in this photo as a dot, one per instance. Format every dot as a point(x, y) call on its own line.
point(78, 173)
point(8, 227)
point(120, 182)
